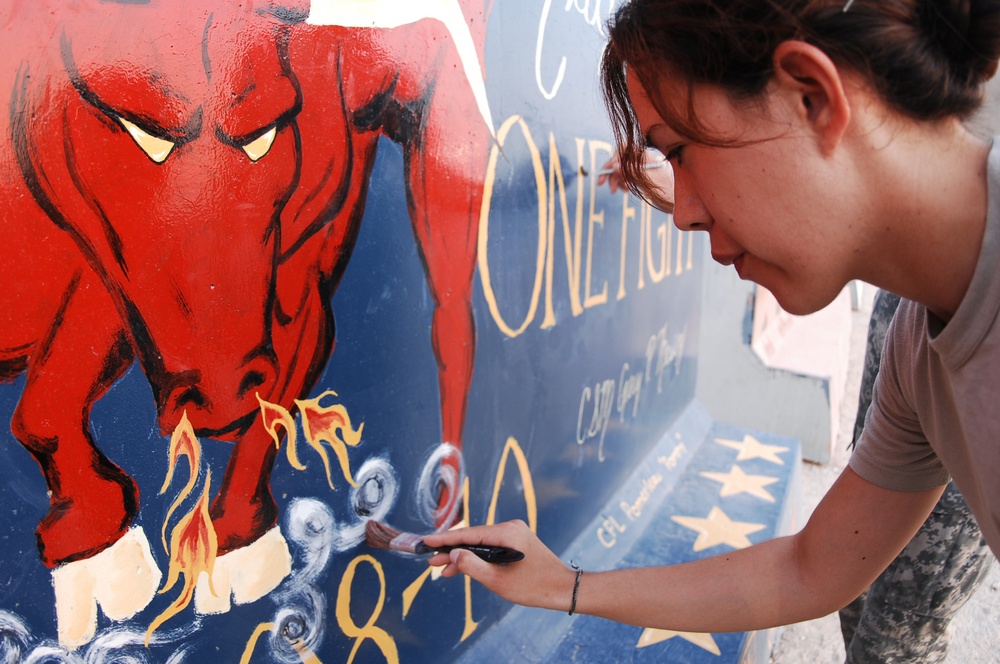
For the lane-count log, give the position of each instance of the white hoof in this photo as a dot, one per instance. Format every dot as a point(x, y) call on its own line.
point(244, 575)
point(122, 579)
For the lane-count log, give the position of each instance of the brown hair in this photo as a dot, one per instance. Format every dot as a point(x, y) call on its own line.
point(927, 59)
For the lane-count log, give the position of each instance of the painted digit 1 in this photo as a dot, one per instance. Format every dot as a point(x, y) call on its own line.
point(379, 636)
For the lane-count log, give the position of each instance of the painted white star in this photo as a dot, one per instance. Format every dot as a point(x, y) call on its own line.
point(717, 528)
point(751, 448)
point(736, 481)
point(653, 636)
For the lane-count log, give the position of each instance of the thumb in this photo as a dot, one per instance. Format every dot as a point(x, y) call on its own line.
point(470, 564)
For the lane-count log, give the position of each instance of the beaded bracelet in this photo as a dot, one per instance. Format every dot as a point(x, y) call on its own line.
point(576, 589)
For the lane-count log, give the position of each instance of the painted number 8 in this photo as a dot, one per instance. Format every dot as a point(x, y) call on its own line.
point(379, 636)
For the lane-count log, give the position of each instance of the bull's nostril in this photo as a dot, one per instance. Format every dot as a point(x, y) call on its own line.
point(191, 395)
point(251, 380)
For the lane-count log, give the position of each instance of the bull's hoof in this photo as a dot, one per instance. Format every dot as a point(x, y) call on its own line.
point(122, 579)
point(244, 575)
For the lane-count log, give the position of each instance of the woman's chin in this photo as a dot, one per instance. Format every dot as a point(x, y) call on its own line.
point(801, 303)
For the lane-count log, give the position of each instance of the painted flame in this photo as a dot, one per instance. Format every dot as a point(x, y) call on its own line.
point(320, 424)
point(193, 543)
point(183, 442)
point(273, 416)
point(332, 425)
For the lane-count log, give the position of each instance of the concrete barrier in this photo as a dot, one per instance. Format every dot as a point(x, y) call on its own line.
point(271, 272)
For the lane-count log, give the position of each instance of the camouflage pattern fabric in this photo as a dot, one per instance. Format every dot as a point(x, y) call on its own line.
point(904, 615)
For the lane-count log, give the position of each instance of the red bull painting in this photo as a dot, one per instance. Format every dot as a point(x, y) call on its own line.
point(271, 270)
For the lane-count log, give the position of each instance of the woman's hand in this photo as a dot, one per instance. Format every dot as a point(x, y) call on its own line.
point(660, 174)
point(541, 579)
point(612, 174)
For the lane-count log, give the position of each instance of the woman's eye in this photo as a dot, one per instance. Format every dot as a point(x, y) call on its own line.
point(674, 155)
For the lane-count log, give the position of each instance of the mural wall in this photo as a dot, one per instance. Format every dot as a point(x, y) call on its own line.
point(272, 270)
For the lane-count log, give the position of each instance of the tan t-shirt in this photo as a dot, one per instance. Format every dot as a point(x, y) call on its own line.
point(936, 403)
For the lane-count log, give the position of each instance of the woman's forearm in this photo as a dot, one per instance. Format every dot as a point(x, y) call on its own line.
point(854, 533)
point(743, 590)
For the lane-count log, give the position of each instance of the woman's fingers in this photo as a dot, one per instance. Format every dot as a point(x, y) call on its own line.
point(472, 565)
point(504, 534)
point(540, 579)
point(610, 172)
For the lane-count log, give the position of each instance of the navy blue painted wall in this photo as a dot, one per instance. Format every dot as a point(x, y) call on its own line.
point(538, 387)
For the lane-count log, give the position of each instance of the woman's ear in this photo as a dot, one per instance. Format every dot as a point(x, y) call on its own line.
point(816, 88)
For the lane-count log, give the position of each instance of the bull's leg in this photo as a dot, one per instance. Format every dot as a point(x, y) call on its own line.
point(446, 193)
point(244, 508)
point(85, 536)
point(253, 557)
point(92, 501)
point(453, 335)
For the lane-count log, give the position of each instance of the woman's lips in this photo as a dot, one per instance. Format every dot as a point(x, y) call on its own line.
point(736, 260)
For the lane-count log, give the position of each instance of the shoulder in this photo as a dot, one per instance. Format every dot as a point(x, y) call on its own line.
point(906, 335)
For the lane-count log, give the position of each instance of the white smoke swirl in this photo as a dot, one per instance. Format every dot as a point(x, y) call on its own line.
point(436, 478)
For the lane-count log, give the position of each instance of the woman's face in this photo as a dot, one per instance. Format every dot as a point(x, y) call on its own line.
point(768, 203)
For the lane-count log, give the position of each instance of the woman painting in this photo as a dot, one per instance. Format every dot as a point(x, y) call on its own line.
point(816, 142)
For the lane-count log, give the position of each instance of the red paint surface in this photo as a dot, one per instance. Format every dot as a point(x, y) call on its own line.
point(214, 270)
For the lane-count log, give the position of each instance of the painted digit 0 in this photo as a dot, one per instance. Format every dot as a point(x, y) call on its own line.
point(530, 501)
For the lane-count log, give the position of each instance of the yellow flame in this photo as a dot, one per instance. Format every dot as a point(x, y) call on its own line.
point(182, 442)
point(273, 415)
point(331, 425)
point(321, 424)
point(194, 544)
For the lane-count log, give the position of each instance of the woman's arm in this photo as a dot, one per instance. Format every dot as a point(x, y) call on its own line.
point(851, 537)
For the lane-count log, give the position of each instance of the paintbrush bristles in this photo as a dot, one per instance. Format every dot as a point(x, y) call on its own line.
point(381, 536)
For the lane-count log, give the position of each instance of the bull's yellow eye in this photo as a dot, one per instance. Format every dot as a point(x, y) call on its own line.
point(157, 149)
point(259, 146)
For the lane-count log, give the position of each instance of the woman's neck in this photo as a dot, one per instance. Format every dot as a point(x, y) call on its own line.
point(929, 189)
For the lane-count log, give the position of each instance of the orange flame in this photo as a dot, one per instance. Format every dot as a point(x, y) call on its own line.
point(182, 442)
point(321, 424)
point(193, 542)
point(332, 425)
point(272, 415)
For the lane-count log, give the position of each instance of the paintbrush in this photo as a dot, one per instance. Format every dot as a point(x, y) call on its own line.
point(381, 536)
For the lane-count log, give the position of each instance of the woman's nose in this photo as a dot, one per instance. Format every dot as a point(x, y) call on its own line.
point(689, 211)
